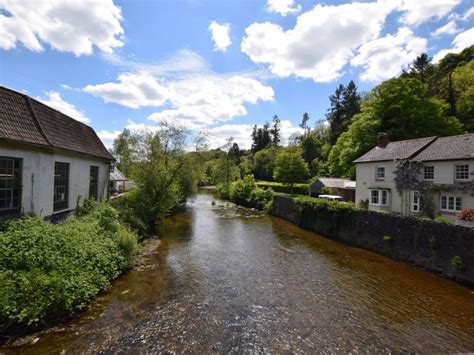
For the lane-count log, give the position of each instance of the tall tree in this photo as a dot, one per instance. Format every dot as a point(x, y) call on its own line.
point(335, 116)
point(275, 131)
point(422, 66)
point(261, 137)
point(122, 150)
point(400, 107)
point(351, 103)
point(304, 125)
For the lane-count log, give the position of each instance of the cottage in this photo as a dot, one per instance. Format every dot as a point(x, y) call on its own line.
point(48, 161)
point(334, 186)
point(438, 177)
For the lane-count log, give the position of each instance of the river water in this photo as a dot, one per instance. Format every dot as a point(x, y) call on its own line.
point(229, 279)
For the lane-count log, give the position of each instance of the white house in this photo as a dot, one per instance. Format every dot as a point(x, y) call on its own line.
point(444, 179)
point(48, 161)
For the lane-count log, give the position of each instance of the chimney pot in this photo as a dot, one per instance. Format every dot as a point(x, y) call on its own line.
point(382, 140)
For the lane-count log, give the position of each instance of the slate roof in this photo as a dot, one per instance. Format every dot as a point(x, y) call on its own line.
point(449, 148)
point(336, 183)
point(27, 121)
point(117, 175)
point(396, 150)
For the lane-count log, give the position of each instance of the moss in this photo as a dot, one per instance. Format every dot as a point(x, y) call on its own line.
point(457, 263)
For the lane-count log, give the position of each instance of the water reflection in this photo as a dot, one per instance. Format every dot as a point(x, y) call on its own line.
point(229, 279)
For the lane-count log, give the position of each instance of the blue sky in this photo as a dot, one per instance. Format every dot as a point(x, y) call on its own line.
point(215, 66)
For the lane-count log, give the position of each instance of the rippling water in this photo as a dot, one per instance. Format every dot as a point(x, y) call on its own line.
point(228, 279)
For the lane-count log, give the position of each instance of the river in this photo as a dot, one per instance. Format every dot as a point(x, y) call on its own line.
point(230, 279)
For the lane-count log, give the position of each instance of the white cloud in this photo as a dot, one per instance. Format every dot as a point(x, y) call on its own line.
point(132, 90)
point(108, 137)
point(322, 41)
point(220, 34)
point(202, 98)
point(183, 61)
point(241, 133)
point(67, 26)
point(469, 13)
point(385, 57)
point(418, 11)
point(461, 41)
point(55, 101)
point(449, 29)
point(283, 7)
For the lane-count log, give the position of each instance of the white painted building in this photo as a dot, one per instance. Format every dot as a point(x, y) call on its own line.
point(446, 170)
point(48, 161)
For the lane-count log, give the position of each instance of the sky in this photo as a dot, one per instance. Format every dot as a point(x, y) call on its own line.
point(215, 66)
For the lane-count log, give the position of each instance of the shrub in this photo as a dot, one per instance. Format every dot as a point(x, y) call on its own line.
point(441, 219)
point(49, 271)
point(387, 238)
point(298, 189)
point(246, 193)
point(467, 214)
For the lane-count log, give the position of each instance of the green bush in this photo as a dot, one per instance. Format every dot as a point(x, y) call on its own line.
point(298, 189)
point(246, 193)
point(49, 271)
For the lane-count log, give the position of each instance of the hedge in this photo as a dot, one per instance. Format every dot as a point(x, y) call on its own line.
point(298, 189)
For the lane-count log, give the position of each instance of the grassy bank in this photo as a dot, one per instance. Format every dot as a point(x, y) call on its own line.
point(50, 271)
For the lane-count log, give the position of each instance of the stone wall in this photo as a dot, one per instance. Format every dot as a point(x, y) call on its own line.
point(423, 243)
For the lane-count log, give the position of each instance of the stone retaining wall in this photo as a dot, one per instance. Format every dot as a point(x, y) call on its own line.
point(419, 242)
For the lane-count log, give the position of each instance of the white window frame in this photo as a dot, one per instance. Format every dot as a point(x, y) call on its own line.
point(377, 170)
point(415, 205)
point(430, 172)
point(381, 194)
point(450, 203)
point(461, 172)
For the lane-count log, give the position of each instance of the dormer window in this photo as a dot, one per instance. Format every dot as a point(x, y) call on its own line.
point(380, 173)
point(428, 172)
point(462, 172)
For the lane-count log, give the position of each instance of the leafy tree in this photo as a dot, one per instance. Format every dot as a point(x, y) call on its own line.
point(311, 147)
point(400, 107)
point(264, 163)
point(163, 174)
point(290, 167)
point(234, 153)
point(122, 150)
point(276, 131)
point(405, 110)
point(463, 83)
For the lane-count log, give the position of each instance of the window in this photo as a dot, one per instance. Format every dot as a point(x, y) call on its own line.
point(451, 203)
point(94, 182)
point(379, 197)
point(380, 173)
point(61, 186)
point(462, 172)
point(10, 183)
point(428, 172)
point(415, 201)
point(374, 197)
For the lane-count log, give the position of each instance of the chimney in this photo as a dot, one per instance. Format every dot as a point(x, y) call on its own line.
point(382, 140)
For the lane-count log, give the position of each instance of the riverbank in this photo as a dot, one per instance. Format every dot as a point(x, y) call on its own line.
point(444, 249)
